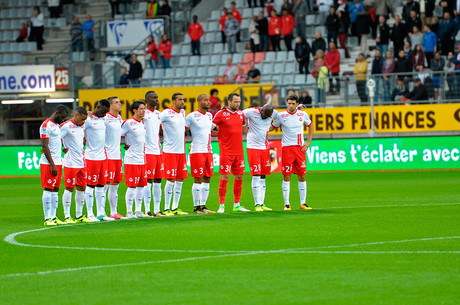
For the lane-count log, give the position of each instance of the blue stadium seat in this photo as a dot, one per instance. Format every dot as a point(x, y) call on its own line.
point(215, 15)
point(219, 48)
point(300, 79)
point(190, 72)
point(288, 79)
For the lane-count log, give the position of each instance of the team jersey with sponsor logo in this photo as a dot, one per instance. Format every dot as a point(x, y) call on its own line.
point(134, 133)
point(200, 125)
point(113, 136)
point(258, 129)
point(173, 123)
point(95, 138)
point(72, 138)
point(230, 133)
point(152, 129)
point(292, 126)
point(50, 130)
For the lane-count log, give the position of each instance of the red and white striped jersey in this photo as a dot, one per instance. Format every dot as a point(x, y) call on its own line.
point(134, 133)
point(258, 128)
point(200, 125)
point(50, 130)
point(152, 129)
point(72, 138)
point(292, 126)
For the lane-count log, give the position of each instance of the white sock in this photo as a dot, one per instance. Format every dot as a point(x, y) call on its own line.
point(66, 202)
point(168, 194)
point(286, 189)
point(79, 203)
point(262, 191)
point(255, 184)
point(100, 200)
point(156, 197)
point(129, 197)
point(139, 197)
point(54, 204)
point(113, 199)
point(196, 189)
point(177, 193)
point(236, 204)
point(46, 200)
point(147, 196)
point(302, 192)
point(204, 193)
point(104, 196)
point(89, 198)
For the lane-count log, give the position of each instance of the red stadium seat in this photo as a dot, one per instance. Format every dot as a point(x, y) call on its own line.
point(248, 57)
point(260, 56)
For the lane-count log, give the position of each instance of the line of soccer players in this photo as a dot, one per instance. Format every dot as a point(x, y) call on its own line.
point(93, 164)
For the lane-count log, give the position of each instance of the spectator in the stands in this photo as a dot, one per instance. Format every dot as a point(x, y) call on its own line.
point(332, 25)
point(232, 28)
point(262, 27)
point(448, 6)
point(135, 71)
point(36, 33)
point(152, 52)
point(318, 44)
point(237, 16)
point(342, 32)
point(320, 74)
point(22, 33)
point(302, 55)
point(403, 66)
point(88, 33)
point(262, 3)
point(400, 91)
point(269, 7)
point(422, 75)
point(413, 20)
point(437, 66)
point(215, 102)
point(29, 30)
point(287, 5)
point(398, 34)
point(253, 73)
point(254, 38)
point(164, 49)
point(388, 67)
point(54, 8)
point(355, 7)
point(360, 72)
point(377, 63)
point(127, 7)
point(383, 35)
point(416, 37)
point(435, 25)
point(222, 20)
point(446, 34)
point(241, 77)
point(152, 9)
point(230, 70)
point(419, 92)
point(429, 45)
point(300, 11)
point(418, 56)
point(363, 24)
point(429, 10)
point(195, 31)
point(76, 35)
point(274, 31)
point(165, 9)
point(115, 6)
point(305, 98)
point(450, 77)
point(332, 63)
point(408, 50)
point(382, 7)
point(287, 28)
point(411, 5)
point(124, 78)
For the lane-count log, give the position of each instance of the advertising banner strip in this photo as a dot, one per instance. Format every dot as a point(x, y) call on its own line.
point(132, 32)
point(412, 153)
point(32, 78)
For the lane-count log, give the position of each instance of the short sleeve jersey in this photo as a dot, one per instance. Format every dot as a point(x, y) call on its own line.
point(152, 129)
point(200, 125)
point(173, 123)
point(230, 133)
point(134, 133)
point(258, 128)
point(72, 138)
point(50, 130)
point(292, 125)
point(95, 138)
point(113, 136)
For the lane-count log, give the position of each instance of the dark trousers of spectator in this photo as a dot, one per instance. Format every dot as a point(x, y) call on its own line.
point(361, 87)
point(262, 4)
point(300, 27)
point(343, 43)
point(447, 45)
point(288, 42)
point(275, 41)
point(224, 38)
point(337, 82)
point(331, 36)
point(304, 66)
point(429, 57)
point(263, 46)
point(54, 11)
point(20, 39)
point(254, 47)
point(238, 36)
point(196, 47)
point(115, 8)
point(36, 34)
point(135, 82)
point(231, 43)
point(451, 84)
point(77, 45)
point(398, 45)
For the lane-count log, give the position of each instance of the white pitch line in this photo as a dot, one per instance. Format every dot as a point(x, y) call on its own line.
point(388, 206)
point(374, 252)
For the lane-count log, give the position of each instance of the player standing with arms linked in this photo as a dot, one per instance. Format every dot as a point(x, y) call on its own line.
point(201, 158)
point(175, 163)
point(230, 123)
point(294, 147)
point(258, 122)
point(51, 164)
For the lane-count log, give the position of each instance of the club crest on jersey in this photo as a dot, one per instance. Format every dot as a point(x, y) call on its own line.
point(149, 172)
point(195, 171)
point(68, 180)
point(130, 179)
point(168, 171)
point(300, 119)
point(49, 180)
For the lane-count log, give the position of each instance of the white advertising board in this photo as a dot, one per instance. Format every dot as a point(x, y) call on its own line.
point(130, 33)
point(33, 78)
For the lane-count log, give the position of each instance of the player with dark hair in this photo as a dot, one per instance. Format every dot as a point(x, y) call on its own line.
point(201, 158)
point(175, 164)
point(230, 123)
point(135, 176)
point(96, 161)
point(51, 164)
point(294, 160)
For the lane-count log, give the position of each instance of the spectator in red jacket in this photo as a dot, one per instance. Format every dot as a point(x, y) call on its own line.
point(222, 20)
point(195, 31)
point(151, 48)
point(287, 27)
point(274, 31)
point(236, 14)
point(332, 63)
point(215, 102)
point(164, 48)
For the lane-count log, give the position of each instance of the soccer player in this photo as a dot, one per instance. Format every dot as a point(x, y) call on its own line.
point(96, 161)
point(259, 121)
point(153, 155)
point(113, 122)
point(230, 123)
point(175, 164)
point(133, 130)
point(201, 158)
point(294, 160)
point(51, 164)
point(72, 135)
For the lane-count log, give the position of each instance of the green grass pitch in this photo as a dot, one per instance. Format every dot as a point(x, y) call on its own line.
point(372, 238)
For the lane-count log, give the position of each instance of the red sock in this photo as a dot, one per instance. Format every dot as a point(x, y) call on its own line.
point(222, 191)
point(237, 188)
